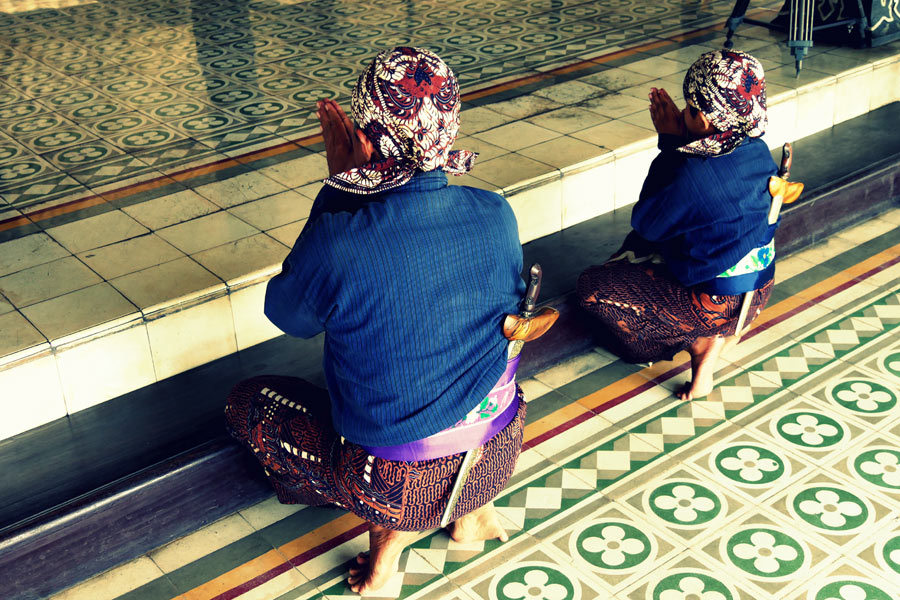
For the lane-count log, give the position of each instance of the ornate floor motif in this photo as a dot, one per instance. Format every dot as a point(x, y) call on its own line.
point(107, 91)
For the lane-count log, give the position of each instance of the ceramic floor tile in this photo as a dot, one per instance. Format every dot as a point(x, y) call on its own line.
point(523, 107)
point(275, 210)
point(46, 281)
point(614, 546)
point(171, 209)
point(288, 234)
point(475, 120)
point(615, 134)
point(166, 283)
point(18, 334)
point(79, 311)
point(213, 537)
point(516, 136)
point(564, 152)
point(93, 232)
point(246, 258)
point(299, 171)
point(510, 169)
point(206, 232)
point(28, 251)
point(115, 582)
point(239, 189)
point(121, 258)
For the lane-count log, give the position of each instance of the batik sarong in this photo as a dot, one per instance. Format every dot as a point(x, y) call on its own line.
point(644, 314)
point(286, 423)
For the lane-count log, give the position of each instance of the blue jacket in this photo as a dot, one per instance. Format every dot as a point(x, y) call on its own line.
point(705, 214)
point(410, 287)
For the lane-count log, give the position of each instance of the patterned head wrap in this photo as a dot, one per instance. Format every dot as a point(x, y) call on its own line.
point(407, 103)
point(729, 87)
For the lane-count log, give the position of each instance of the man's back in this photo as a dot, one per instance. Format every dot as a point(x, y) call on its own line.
point(411, 287)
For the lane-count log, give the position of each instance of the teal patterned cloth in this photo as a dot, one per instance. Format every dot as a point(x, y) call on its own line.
point(754, 261)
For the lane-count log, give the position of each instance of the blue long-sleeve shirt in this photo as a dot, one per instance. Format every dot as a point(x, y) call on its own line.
point(705, 214)
point(410, 287)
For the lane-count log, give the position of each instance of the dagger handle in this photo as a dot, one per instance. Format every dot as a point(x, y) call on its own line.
point(534, 288)
point(784, 171)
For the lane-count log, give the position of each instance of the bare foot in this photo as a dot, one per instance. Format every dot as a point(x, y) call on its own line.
point(705, 354)
point(374, 568)
point(480, 524)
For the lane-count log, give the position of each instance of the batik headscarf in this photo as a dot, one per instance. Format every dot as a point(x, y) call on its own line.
point(729, 87)
point(407, 103)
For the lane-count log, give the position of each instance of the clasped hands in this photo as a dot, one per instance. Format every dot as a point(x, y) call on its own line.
point(346, 146)
point(666, 117)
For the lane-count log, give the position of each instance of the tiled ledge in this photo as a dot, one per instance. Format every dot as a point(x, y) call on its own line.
point(108, 304)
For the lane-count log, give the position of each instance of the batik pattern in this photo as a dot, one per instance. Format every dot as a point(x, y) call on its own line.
point(647, 315)
point(407, 104)
point(286, 423)
point(729, 88)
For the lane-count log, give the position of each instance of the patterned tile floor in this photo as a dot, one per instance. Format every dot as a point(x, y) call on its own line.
point(127, 90)
point(783, 483)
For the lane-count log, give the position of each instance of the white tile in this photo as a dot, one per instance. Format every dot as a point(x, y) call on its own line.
point(657, 66)
point(568, 119)
point(167, 283)
point(127, 366)
point(277, 586)
point(78, 311)
point(565, 152)
point(173, 208)
point(274, 211)
point(267, 512)
point(515, 136)
point(525, 106)
point(129, 256)
point(511, 170)
point(46, 281)
point(616, 134)
point(18, 334)
point(485, 150)
point(239, 189)
point(479, 119)
point(617, 79)
point(785, 268)
point(885, 82)
point(24, 252)
point(631, 170)
point(32, 394)
point(206, 232)
point(538, 210)
point(588, 193)
point(617, 105)
point(5, 306)
point(298, 171)
point(572, 369)
point(533, 389)
point(250, 323)
point(191, 337)
point(244, 259)
point(200, 543)
point(815, 108)
point(288, 234)
point(570, 92)
point(867, 230)
point(782, 126)
point(853, 93)
point(96, 231)
point(115, 582)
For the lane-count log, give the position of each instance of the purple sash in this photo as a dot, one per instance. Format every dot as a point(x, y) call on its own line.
point(461, 437)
